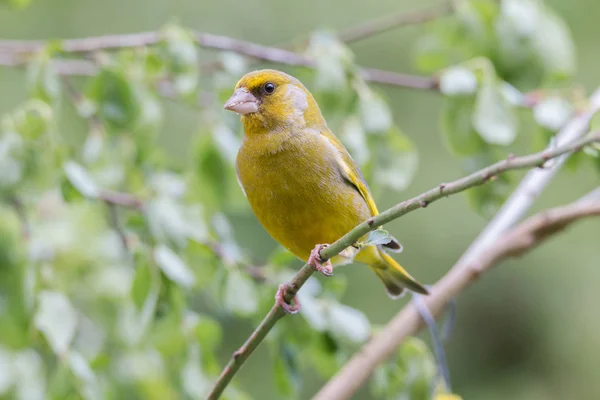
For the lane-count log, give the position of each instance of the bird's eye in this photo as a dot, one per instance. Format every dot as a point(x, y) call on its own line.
point(269, 87)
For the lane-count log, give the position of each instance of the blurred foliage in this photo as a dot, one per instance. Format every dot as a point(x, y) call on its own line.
point(120, 270)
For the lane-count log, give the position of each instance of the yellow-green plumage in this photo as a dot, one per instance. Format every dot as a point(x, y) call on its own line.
point(302, 184)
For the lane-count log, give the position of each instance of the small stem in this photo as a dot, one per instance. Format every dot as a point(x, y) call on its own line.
point(386, 23)
point(121, 199)
point(20, 210)
point(438, 348)
point(115, 221)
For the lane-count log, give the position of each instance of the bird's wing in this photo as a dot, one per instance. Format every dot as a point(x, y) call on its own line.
point(351, 173)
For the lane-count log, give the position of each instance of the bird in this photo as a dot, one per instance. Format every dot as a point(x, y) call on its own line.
point(302, 184)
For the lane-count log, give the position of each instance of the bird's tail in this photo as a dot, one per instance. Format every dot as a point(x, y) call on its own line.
point(394, 277)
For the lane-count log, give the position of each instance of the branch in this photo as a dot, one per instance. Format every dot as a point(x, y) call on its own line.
point(511, 212)
point(121, 199)
point(19, 208)
point(515, 243)
point(421, 201)
point(15, 53)
point(389, 22)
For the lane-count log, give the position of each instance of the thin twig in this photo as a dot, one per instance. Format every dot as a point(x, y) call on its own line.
point(438, 348)
point(257, 273)
point(403, 18)
point(520, 240)
point(121, 199)
point(115, 221)
point(19, 208)
point(421, 201)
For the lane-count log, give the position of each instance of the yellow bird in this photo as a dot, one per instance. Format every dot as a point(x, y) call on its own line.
point(300, 180)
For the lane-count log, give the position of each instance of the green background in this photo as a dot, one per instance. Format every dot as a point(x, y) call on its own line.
point(528, 329)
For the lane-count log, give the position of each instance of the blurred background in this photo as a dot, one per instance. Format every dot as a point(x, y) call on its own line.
point(527, 330)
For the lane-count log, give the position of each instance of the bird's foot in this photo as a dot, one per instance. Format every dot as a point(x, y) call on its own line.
point(317, 263)
point(280, 299)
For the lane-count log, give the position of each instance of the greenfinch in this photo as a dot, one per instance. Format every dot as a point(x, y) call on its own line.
point(300, 181)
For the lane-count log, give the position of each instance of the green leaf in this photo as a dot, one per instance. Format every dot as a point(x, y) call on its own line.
point(115, 99)
point(457, 81)
point(173, 266)
point(181, 57)
point(285, 371)
point(410, 374)
point(281, 257)
point(212, 170)
point(194, 382)
point(19, 3)
point(226, 141)
point(33, 119)
point(456, 125)
point(11, 151)
point(333, 61)
point(324, 355)
point(150, 115)
point(168, 184)
point(553, 45)
point(140, 287)
point(7, 377)
point(379, 236)
point(420, 368)
point(397, 161)
point(553, 113)
point(81, 179)
point(375, 114)
point(241, 296)
point(349, 323)
point(42, 79)
point(354, 138)
point(208, 332)
point(487, 198)
point(167, 221)
point(447, 396)
point(432, 53)
point(234, 63)
point(493, 117)
point(30, 380)
point(90, 386)
point(56, 319)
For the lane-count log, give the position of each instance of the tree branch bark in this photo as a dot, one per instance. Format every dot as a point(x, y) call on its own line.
point(421, 201)
point(522, 239)
point(15, 53)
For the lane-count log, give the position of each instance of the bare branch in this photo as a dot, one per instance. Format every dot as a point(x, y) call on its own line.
point(421, 201)
point(393, 21)
point(19, 208)
point(14, 53)
point(121, 199)
point(515, 243)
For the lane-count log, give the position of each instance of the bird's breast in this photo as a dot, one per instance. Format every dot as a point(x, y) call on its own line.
point(299, 195)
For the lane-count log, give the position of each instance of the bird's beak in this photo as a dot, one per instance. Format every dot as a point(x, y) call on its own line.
point(242, 102)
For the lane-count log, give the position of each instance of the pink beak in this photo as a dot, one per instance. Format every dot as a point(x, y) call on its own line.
point(242, 102)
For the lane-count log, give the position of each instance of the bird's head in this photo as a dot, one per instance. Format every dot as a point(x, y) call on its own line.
point(270, 100)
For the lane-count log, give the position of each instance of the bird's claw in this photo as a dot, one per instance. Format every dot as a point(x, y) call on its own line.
point(317, 263)
point(280, 299)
